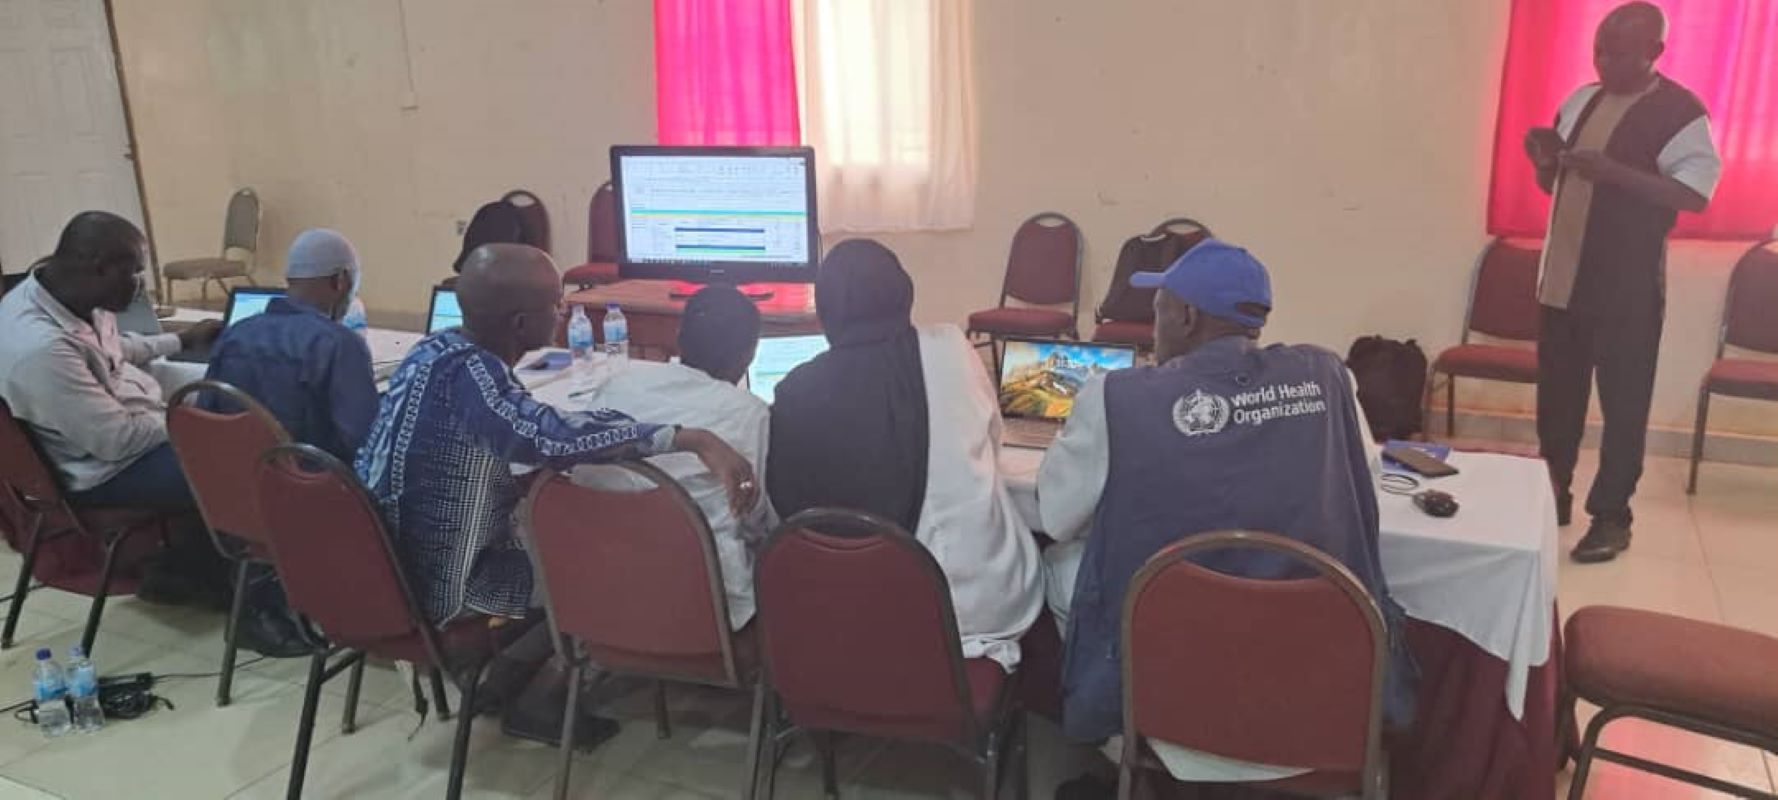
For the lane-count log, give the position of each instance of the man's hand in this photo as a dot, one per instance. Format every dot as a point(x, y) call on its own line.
point(200, 334)
point(727, 465)
point(1544, 146)
point(1592, 165)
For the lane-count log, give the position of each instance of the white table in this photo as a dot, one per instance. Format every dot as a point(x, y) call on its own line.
point(1489, 573)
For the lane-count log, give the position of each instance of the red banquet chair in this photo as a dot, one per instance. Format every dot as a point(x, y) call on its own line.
point(41, 522)
point(639, 593)
point(601, 242)
point(1269, 671)
point(341, 572)
point(859, 637)
point(1502, 305)
point(1126, 314)
point(1042, 272)
point(219, 453)
point(1746, 325)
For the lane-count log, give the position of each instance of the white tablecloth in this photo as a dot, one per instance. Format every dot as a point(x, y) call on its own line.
point(1488, 573)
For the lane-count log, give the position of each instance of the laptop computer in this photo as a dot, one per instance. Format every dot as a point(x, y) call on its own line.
point(1039, 379)
point(444, 310)
point(776, 357)
point(243, 302)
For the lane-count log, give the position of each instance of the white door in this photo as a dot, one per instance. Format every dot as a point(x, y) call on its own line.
point(63, 144)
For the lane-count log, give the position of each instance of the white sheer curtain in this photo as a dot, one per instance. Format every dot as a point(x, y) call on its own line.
point(887, 97)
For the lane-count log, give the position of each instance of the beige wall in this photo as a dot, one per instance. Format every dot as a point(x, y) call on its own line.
point(1345, 143)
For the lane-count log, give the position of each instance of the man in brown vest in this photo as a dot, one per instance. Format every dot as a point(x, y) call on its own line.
point(1625, 156)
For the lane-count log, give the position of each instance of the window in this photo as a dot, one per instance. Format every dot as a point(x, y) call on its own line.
point(1724, 50)
point(880, 88)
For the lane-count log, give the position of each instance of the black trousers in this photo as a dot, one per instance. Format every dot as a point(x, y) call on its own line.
point(1571, 350)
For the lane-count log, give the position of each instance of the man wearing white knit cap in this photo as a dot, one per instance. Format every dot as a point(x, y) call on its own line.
point(313, 374)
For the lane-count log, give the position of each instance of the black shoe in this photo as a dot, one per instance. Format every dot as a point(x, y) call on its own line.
point(272, 635)
point(1564, 509)
point(1604, 540)
point(1086, 787)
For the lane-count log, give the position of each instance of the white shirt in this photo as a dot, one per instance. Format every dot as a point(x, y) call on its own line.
point(1069, 486)
point(968, 521)
point(77, 385)
point(693, 399)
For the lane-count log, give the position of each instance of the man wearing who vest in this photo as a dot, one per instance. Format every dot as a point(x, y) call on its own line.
point(1222, 434)
point(1626, 155)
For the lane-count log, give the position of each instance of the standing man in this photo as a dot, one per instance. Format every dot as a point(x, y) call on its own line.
point(1625, 156)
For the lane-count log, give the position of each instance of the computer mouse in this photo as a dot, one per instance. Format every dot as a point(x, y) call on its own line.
point(1436, 503)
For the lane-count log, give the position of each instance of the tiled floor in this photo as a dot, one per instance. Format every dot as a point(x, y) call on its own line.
point(1713, 556)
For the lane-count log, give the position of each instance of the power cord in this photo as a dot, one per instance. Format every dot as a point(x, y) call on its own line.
point(124, 697)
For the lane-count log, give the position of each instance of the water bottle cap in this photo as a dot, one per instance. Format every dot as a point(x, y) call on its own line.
point(611, 307)
point(43, 654)
point(76, 652)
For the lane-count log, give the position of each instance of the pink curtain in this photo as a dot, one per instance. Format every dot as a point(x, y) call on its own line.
point(1724, 50)
point(724, 73)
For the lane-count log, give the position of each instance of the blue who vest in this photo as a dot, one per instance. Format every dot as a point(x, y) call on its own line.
point(1229, 436)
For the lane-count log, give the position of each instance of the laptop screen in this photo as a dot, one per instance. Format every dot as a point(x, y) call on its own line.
point(776, 357)
point(249, 301)
point(1040, 378)
point(445, 312)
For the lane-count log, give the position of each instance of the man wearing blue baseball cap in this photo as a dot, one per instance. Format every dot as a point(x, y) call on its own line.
point(314, 375)
point(1222, 434)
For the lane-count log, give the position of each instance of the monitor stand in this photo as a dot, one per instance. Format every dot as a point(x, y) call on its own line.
point(757, 292)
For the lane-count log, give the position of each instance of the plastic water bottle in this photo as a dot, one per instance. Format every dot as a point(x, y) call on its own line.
point(580, 339)
point(83, 692)
point(354, 320)
point(51, 692)
point(617, 335)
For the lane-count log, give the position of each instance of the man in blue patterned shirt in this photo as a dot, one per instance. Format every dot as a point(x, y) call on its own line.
point(441, 455)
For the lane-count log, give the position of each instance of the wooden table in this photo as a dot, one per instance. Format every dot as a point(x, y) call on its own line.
point(654, 314)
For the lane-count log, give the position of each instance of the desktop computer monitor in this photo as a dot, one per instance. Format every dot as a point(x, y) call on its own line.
point(716, 214)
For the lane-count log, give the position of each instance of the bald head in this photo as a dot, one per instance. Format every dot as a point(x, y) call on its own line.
point(511, 294)
point(1627, 44)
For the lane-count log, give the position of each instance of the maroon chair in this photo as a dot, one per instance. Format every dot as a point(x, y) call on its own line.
point(1042, 269)
point(601, 242)
point(533, 214)
point(1503, 305)
point(637, 593)
point(858, 636)
point(1283, 672)
point(1126, 314)
point(42, 520)
point(1753, 293)
point(219, 453)
point(341, 572)
point(1706, 678)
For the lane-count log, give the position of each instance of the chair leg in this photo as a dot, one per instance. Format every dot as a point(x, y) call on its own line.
point(990, 764)
point(104, 590)
point(438, 695)
point(1583, 763)
point(472, 680)
point(23, 585)
point(236, 606)
point(305, 725)
point(830, 777)
point(770, 748)
point(663, 726)
point(565, 751)
point(354, 683)
point(1691, 484)
point(1451, 407)
point(1126, 771)
point(755, 739)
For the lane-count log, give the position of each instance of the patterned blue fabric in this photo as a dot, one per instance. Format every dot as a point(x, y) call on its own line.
point(439, 464)
point(311, 372)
